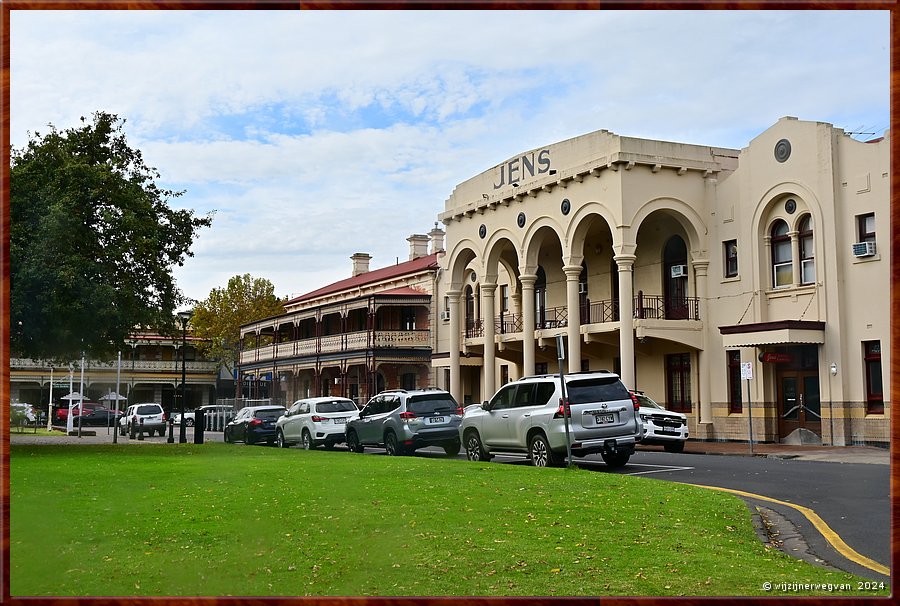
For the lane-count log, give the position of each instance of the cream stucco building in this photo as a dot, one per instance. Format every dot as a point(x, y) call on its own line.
point(683, 268)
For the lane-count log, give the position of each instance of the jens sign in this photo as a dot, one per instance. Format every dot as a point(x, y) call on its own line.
point(528, 165)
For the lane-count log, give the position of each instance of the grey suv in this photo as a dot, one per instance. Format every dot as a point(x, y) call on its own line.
point(403, 421)
point(526, 417)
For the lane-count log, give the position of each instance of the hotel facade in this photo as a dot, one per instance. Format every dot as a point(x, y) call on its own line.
point(747, 288)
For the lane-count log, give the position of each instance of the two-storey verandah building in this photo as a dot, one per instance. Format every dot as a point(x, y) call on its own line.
point(675, 264)
point(353, 338)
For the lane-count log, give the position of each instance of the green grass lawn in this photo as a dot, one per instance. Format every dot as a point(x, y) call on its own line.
point(220, 519)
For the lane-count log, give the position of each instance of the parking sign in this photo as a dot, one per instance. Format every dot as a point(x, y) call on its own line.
point(747, 370)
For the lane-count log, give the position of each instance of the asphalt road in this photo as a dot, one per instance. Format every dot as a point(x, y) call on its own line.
point(853, 499)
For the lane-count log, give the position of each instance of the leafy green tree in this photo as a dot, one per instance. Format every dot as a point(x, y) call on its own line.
point(93, 241)
point(218, 319)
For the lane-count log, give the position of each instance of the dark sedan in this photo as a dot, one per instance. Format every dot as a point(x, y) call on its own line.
point(254, 424)
point(99, 417)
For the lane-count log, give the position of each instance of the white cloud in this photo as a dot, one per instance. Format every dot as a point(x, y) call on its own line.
point(317, 134)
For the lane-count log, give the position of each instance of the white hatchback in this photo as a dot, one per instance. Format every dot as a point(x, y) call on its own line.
point(315, 421)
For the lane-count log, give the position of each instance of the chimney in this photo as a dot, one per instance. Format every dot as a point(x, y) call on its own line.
point(437, 239)
point(360, 263)
point(418, 246)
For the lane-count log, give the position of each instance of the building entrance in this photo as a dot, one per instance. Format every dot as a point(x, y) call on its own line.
point(797, 381)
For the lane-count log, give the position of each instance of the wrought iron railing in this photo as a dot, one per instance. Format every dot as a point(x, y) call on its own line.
point(600, 311)
point(657, 307)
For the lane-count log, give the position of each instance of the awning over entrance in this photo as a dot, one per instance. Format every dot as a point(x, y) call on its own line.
point(773, 333)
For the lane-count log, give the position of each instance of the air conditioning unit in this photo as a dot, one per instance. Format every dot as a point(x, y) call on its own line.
point(445, 315)
point(679, 271)
point(863, 249)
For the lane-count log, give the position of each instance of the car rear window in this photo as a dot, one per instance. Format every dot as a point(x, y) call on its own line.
point(272, 413)
point(336, 406)
point(148, 409)
point(432, 403)
point(606, 389)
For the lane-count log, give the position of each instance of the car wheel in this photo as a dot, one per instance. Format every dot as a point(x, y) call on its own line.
point(617, 460)
point(674, 447)
point(541, 455)
point(248, 438)
point(474, 448)
point(452, 448)
point(227, 436)
point(279, 440)
point(306, 441)
point(189, 422)
point(391, 445)
point(353, 442)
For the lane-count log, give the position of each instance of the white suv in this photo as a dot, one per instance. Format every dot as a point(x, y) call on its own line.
point(662, 427)
point(153, 415)
point(315, 421)
point(525, 417)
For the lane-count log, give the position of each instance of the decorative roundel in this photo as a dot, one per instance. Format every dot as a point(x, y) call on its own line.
point(566, 206)
point(790, 206)
point(482, 231)
point(473, 277)
point(521, 220)
point(783, 150)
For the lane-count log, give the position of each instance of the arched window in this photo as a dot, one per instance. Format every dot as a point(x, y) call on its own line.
point(540, 298)
point(807, 251)
point(782, 270)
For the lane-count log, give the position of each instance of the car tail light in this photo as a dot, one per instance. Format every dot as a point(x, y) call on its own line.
point(318, 419)
point(165, 418)
point(255, 422)
point(563, 410)
point(637, 405)
point(459, 410)
point(406, 416)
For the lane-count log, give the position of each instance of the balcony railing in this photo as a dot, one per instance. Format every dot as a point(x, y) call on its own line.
point(600, 311)
point(351, 341)
point(657, 307)
point(195, 366)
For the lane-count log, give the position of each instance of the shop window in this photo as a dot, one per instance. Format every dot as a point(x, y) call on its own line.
point(782, 261)
point(735, 399)
point(678, 382)
point(807, 252)
point(731, 259)
point(874, 388)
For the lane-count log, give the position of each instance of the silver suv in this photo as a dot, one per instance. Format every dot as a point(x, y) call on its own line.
point(152, 415)
point(525, 417)
point(403, 421)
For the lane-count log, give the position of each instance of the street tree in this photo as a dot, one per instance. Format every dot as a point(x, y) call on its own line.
point(218, 319)
point(93, 241)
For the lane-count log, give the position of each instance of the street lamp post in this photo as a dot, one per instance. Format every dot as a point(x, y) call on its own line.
point(185, 316)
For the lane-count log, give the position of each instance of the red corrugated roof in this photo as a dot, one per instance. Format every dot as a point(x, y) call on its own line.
point(376, 275)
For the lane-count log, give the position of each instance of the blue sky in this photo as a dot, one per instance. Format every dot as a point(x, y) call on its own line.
point(318, 134)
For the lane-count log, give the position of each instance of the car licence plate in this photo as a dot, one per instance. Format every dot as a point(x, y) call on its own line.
point(435, 419)
point(340, 421)
point(603, 419)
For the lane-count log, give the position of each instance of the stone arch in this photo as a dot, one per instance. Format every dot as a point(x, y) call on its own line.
point(680, 211)
point(581, 224)
point(539, 233)
point(464, 252)
point(501, 250)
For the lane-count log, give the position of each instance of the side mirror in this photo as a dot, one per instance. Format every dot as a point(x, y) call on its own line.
point(486, 405)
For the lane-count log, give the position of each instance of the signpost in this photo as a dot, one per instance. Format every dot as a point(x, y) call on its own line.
point(747, 373)
point(561, 356)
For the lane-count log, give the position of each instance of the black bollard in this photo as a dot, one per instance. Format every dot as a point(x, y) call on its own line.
point(199, 426)
point(141, 431)
point(132, 428)
point(171, 439)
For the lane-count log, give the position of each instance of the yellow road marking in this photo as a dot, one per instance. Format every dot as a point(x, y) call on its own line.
point(831, 536)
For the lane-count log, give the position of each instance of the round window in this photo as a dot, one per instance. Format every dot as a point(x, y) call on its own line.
point(783, 150)
point(482, 231)
point(521, 220)
point(566, 206)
